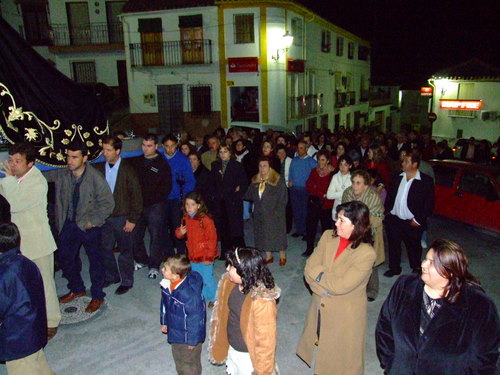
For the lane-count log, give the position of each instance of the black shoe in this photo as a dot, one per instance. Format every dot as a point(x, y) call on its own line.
point(122, 289)
point(391, 273)
point(109, 283)
point(371, 299)
point(296, 234)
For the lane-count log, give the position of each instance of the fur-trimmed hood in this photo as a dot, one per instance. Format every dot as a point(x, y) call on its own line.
point(273, 178)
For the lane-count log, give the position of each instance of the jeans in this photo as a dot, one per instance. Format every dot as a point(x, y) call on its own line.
point(299, 197)
point(152, 218)
point(113, 231)
point(209, 284)
point(174, 216)
point(71, 239)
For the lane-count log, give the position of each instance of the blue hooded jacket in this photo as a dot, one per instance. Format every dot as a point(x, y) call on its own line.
point(23, 318)
point(184, 311)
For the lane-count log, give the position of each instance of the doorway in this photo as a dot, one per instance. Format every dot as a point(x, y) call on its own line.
point(170, 108)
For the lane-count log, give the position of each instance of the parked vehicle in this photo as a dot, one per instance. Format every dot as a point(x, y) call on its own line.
point(468, 192)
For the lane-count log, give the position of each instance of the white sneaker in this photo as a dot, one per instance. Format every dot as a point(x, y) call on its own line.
point(153, 273)
point(423, 244)
point(138, 266)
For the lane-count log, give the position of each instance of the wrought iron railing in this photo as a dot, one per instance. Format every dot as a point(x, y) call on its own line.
point(181, 52)
point(343, 99)
point(88, 34)
point(304, 105)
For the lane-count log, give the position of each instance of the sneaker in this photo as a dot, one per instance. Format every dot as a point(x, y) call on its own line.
point(138, 266)
point(153, 273)
point(423, 244)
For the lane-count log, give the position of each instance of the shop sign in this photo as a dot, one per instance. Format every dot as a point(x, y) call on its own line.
point(243, 64)
point(465, 105)
point(296, 66)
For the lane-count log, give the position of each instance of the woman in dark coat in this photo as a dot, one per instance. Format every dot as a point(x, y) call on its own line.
point(269, 195)
point(228, 184)
point(441, 323)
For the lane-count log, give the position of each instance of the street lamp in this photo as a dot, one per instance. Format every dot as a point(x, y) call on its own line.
point(284, 43)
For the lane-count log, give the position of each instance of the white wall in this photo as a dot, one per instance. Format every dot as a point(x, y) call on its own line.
point(145, 80)
point(446, 126)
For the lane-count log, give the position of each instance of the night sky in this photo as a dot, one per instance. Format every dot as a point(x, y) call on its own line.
point(411, 39)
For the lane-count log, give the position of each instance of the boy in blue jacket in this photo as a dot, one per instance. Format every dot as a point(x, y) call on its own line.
point(23, 320)
point(183, 314)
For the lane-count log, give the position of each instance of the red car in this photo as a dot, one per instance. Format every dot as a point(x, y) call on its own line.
point(468, 192)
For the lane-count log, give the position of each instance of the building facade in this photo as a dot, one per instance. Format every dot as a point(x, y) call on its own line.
point(84, 39)
point(466, 100)
point(203, 64)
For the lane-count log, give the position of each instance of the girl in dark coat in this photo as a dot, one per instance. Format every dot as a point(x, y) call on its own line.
point(441, 323)
point(269, 195)
point(228, 184)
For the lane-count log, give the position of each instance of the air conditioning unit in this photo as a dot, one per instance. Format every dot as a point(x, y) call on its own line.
point(485, 115)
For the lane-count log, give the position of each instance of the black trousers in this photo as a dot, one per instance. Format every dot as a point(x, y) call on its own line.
point(399, 231)
point(228, 240)
point(316, 214)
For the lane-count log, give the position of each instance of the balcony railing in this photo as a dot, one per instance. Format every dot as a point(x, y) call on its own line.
point(88, 34)
point(344, 99)
point(305, 105)
point(179, 52)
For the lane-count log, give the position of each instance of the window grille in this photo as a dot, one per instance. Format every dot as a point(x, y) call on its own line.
point(243, 29)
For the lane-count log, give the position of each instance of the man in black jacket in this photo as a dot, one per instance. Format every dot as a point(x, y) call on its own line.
point(410, 202)
point(123, 182)
point(155, 178)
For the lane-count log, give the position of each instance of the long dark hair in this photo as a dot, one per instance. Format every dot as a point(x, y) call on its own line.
point(359, 214)
point(250, 266)
point(452, 264)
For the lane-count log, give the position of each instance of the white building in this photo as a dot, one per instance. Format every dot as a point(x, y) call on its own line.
point(467, 101)
point(83, 39)
point(202, 64)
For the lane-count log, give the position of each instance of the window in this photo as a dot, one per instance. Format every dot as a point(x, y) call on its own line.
point(466, 91)
point(84, 72)
point(297, 31)
point(350, 50)
point(245, 103)
point(243, 29)
point(201, 99)
point(325, 41)
point(36, 25)
point(115, 27)
point(445, 176)
point(363, 53)
point(340, 46)
point(478, 184)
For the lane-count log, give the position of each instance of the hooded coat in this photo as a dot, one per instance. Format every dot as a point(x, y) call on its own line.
point(183, 311)
point(257, 323)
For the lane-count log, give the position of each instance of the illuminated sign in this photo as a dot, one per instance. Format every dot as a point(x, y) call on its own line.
point(243, 64)
point(466, 105)
point(426, 91)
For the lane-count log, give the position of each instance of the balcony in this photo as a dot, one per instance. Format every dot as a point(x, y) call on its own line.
point(305, 105)
point(344, 99)
point(78, 38)
point(185, 52)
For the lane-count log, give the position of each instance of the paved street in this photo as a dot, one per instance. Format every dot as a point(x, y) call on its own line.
point(125, 338)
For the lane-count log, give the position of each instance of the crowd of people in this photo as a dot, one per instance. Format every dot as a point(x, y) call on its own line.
point(193, 196)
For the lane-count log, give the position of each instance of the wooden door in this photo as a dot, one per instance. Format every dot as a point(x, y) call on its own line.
point(78, 23)
point(152, 49)
point(192, 45)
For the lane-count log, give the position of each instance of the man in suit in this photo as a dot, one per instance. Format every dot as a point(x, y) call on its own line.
point(409, 202)
point(124, 183)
